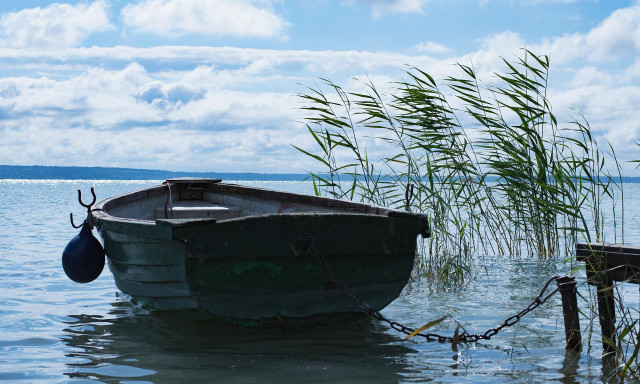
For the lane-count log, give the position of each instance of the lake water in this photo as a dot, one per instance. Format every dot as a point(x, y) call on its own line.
point(53, 330)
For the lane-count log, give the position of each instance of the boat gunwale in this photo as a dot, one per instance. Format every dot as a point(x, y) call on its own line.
point(100, 212)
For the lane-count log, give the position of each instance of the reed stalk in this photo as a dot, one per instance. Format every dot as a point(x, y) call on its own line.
point(489, 164)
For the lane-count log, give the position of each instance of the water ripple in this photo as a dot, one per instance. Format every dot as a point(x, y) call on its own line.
point(53, 330)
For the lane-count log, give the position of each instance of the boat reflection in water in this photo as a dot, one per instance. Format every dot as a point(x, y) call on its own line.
point(191, 346)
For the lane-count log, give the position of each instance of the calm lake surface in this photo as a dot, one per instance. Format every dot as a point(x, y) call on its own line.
point(53, 330)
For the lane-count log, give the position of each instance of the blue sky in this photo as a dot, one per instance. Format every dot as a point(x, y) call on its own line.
point(210, 85)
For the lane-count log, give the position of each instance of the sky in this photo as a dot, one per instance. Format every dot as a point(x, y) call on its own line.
point(212, 85)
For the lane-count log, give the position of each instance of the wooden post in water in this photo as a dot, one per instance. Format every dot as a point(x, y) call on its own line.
point(568, 291)
point(607, 312)
point(606, 264)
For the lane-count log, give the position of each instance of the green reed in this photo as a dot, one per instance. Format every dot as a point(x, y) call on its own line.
point(489, 164)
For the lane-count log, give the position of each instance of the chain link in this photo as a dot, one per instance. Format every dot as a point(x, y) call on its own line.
point(310, 250)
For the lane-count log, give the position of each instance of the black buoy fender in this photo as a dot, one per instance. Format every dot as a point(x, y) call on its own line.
point(83, 257)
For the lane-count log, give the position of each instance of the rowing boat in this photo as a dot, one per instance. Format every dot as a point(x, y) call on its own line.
point(254, 256)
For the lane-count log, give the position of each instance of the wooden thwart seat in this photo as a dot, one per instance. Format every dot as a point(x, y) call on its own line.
point(191, 209)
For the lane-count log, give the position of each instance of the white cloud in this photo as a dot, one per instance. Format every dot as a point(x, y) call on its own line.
point(612, 113)
point(432, 48)
point(590, 76)
point(44, 141)
point(488, 59)
point(503, 43)
point(253, 62)
point(617, 36)
point(234, 109)
point(133, 97)
point(244, 18)
point(132, 117)
point(56, 26)
point(379, 8)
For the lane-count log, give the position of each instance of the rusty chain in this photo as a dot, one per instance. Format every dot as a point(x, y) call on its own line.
point(332, 283)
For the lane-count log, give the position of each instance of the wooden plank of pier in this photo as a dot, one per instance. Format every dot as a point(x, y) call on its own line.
point(606, 264)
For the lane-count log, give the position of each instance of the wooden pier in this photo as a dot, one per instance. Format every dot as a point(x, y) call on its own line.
point(605, 265)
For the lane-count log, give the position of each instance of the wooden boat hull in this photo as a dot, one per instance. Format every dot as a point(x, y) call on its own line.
point(264, 268)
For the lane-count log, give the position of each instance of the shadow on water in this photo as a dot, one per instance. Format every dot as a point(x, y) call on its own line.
point(190, 345)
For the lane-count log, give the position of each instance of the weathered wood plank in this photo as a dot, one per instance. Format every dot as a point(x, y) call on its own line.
point(140, 228)
point(612, 262)
point(605, 264)
point(155, 289)
point(148, 273)
point(124, 249)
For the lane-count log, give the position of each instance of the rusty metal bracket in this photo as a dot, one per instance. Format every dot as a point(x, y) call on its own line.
point(89, 218)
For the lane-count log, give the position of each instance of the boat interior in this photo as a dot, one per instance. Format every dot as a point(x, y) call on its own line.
point(210, 199)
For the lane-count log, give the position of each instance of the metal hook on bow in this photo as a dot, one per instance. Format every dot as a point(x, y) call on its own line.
point(72, 223)
point(88, 206)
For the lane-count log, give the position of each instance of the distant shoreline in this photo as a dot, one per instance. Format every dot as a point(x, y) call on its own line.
point(41, 172)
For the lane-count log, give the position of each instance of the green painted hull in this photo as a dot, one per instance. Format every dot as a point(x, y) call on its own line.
point(266, 268)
